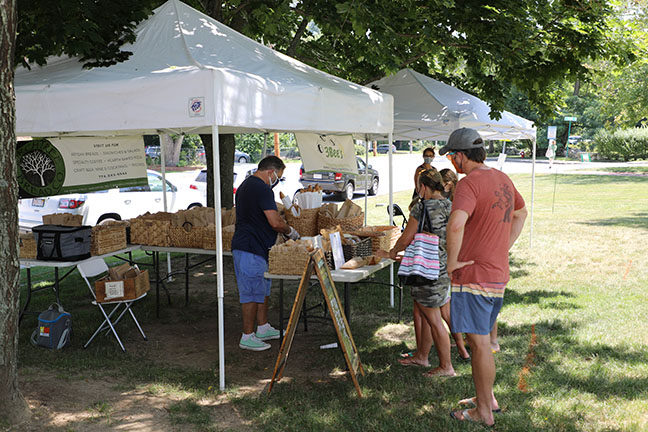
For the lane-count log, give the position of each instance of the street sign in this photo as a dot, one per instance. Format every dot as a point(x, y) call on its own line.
point(551, 132)
point(570, 119)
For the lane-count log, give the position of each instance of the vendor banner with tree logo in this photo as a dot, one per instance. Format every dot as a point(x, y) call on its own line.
point(325, 153)
point(57, 166)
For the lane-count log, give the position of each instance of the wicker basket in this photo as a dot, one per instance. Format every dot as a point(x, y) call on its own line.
point(307, 222)
point(27, 246)
point(209, 238)
point(282, 262)
point(359, 249)
point(65, 219)
point(108, 237)
point(347, 224)
point(151, 229)
point(391, 234)
point(181, 237)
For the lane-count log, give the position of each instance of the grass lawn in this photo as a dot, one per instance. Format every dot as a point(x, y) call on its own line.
point(628, 169)
point(573, 331)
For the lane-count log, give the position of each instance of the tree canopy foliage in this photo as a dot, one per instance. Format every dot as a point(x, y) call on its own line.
point(482, 46)
point(92, 30)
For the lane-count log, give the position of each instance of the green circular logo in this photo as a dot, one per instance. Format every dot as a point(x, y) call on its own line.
point(41, 169)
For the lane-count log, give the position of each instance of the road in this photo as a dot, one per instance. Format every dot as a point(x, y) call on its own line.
point(404, 165)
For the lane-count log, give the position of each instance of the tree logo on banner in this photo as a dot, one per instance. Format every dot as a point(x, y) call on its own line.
point(41, 169)
point(328, 147)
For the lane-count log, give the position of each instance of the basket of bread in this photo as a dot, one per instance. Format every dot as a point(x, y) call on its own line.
point(302, 212)
point(349, 217)
point(289, 258)
point(382, 237)
point(352, 246)
point(151, 229)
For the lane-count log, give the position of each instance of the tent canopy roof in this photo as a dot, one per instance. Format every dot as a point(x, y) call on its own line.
point(181, 57)
point(425, 108)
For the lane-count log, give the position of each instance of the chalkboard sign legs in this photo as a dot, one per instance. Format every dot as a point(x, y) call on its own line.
point(318, 264)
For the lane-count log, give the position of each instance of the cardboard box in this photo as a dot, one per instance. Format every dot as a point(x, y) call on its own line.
point(131, 284)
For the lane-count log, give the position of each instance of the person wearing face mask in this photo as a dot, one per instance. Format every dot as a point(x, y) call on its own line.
point(487, 216)
point(257, 225)
point(428, 157)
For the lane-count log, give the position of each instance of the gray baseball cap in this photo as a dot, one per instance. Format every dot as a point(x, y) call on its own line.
point(463, 139)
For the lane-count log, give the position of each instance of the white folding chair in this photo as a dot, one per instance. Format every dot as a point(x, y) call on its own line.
point(95, 267)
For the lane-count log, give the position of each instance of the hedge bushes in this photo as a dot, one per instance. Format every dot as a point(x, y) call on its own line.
point(623, 144)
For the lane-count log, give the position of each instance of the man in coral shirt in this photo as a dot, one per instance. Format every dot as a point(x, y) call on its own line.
point(487, 217)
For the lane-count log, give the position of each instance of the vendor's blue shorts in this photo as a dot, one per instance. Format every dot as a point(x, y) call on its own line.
point(473, 310)
point(249, 269)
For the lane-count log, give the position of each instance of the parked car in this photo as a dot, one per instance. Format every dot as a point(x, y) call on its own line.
point(512, 151)
point(384, 148)
point(200, 183)
point(241, 157)
point(152, 151)
point(341, 183)
point(111, 204)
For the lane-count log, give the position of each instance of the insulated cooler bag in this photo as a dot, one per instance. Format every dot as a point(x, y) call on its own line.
point(62, 243)
point(54, 329)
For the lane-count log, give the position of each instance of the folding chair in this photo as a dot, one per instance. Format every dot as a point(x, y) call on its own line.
point(94, 267)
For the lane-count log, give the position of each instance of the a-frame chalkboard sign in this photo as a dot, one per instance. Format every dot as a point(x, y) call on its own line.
point(318, 264)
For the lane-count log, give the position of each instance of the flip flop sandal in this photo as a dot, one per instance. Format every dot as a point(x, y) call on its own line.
point(464, 359)
point(467, 418)
point(471, 402)
point(409, 361)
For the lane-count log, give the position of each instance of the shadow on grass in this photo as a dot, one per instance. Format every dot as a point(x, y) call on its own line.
point(538, 297)
point(518, 266)
point(321, 397)
point(399, 398)
point(637, 220)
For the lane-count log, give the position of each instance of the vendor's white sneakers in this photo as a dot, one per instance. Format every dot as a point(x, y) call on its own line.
point(253, 343)
point(268, 334)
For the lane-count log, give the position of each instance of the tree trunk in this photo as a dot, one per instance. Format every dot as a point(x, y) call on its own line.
point(226, 158)
point(172, 149)
point(577, 88)
point(12, 404)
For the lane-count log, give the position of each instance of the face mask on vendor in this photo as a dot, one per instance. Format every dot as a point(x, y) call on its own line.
point(274, 182)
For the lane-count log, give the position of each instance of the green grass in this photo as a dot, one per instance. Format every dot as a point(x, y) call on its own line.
point(581, 287)
point(626, 169)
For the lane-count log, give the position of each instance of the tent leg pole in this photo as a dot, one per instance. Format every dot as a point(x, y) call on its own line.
point(366, 179)
point(532, 195)
point(391, 217)
point(163, 141)
point(219, 258)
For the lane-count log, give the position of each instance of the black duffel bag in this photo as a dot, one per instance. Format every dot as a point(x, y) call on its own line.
point(62, 243)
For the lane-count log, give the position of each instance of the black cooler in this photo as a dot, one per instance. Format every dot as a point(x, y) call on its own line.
point(62, 243)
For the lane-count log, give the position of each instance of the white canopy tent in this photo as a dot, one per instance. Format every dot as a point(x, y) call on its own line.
point(191, 74)
point(427, 109)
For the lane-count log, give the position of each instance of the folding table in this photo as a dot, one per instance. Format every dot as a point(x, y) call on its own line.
point(30, 263)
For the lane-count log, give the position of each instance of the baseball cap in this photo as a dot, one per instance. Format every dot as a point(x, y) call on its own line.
point(463, 139)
